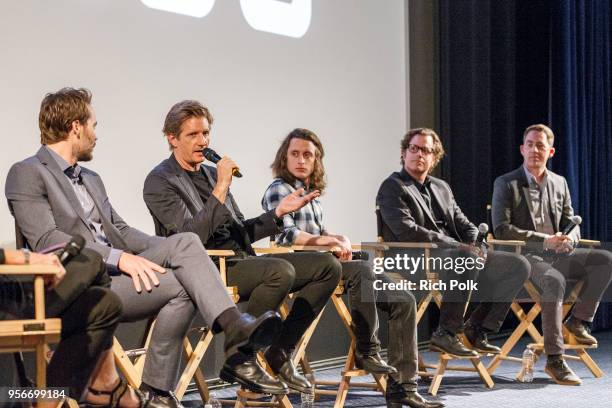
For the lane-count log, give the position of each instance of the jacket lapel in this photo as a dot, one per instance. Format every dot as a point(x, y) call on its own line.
point(446, 208)
point(49, 162)
point(113, 236)
point(555, 216)
point(523, 186)
point(414, 191)
point(187, 185)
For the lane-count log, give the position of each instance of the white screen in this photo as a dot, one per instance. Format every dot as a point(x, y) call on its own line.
point(345, 79)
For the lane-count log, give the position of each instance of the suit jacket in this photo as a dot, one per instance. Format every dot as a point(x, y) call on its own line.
point(407, 218)
point(176, 206)
point(48, 211)
point(511, 215)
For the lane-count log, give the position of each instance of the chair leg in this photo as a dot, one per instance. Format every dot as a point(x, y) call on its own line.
point(482, 371)
point(194, 357)
point(590, 363)
point(438, 375)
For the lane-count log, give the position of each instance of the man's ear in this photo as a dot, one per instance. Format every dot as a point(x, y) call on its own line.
point(75, 127)
point(172, 139)
point(552, 152)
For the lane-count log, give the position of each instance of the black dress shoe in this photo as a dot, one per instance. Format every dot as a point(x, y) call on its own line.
point(397, 396)
point(443, 341)
point(560, 372)
point(249, 334)
point(282, 365)
point(580, 332)
point(246, 371)
point(373, 364)
point(158, 398)
point(479, 340)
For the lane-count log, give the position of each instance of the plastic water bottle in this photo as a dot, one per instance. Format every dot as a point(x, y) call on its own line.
point(308, 397)
point(212, 402)
point(528, 361)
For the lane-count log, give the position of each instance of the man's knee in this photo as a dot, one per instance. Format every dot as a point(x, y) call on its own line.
point(553, 286)
point(522, 268)
point(107, 309)
point(187, 241)
point(331, 268)
point(403, 304)
point(281, 272)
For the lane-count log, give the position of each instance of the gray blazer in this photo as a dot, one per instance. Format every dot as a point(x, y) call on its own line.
point(48, 212)
point(176, 206)
point(511, 216)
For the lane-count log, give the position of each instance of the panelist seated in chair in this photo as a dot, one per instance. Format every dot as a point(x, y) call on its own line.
point(299, 166)
point(52, 197)
point(533, 204)
point(80, 296)
point(182, 194)
point(417, 207)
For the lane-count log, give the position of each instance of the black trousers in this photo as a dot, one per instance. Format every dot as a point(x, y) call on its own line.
point(499, 282)
point(89, 311)
point(266, 280)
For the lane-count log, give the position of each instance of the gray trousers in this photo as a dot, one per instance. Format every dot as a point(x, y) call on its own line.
point(191, 283)
point(593, 267)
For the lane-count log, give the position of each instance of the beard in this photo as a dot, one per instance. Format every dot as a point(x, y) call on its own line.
point(85, 155)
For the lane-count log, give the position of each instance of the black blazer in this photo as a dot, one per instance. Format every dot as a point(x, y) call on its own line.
point(407, 218)
point(176, 206)
point(512, 218)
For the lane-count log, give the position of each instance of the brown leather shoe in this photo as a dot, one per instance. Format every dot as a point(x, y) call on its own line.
point(578, 329)
point(560, 372)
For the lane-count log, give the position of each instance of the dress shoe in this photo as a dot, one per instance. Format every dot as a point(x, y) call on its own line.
point(249, 334)
point(282, 365)
point(560, 372)
point(373, 364)
point(397, 396)
point(580, 332)
point(158, 398)
point(445, 342)
point(478, 337)
point(246, 371)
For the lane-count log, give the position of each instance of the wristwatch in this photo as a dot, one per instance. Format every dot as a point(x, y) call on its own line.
point(26, 255)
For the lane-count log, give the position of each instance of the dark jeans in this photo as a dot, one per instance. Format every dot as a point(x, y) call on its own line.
point(591, 266)
point(499, 282)
point(90, 313)
point(266, 280)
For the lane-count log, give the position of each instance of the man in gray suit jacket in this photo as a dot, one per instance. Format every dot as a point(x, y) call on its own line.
point(53, 198)
point(533, 204)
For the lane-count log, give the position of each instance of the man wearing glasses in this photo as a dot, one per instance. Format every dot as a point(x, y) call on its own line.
point(416, 207)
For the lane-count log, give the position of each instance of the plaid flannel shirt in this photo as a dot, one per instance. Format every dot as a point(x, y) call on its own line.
point(308, 218)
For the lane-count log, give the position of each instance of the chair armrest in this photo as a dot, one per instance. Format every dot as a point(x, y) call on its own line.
point(504, 242)
point(421, 245)
point(272, 250)
point(220, 252)
point(28, 270)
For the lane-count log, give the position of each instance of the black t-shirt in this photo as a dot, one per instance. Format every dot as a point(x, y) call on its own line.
point(226, 236)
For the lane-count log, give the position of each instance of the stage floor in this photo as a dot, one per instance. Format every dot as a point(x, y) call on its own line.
point(461, 389)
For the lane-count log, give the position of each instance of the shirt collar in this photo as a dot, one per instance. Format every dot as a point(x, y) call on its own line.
point(73, 172)
point(532, 180)
point(419, 185)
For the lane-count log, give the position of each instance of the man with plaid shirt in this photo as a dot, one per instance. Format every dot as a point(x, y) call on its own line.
point(298, 165)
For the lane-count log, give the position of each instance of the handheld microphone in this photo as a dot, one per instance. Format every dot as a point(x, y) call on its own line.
point(575, 221)
point(482, 234)
point(72, 249)
point(212, 156)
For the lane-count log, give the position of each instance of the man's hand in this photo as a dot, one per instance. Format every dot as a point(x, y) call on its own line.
point(475, 250)
point(559, 243)
point(139, 269)
point(49, 259)
point(225, 167)
point(346, 250)
point(295, 201)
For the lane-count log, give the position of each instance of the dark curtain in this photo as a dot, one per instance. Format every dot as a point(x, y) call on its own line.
point(505, 65)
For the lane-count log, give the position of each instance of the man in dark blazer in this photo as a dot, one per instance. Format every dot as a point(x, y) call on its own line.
point(53, 198)
point(416, 207)
point(184, 195)
point(533, 204)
